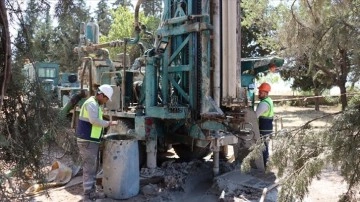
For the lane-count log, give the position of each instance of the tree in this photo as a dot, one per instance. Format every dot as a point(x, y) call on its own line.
point(33, 33)
point(259, 25)
point(70, 15)
point(5, 52)
point(43, 36)
point(306, 81)
point(325, 33)
point(250, 46)
point(29, 122)
point(320, 41)
point(123, 28)
point(123, 3)
point(103, 17)
point(253, 33)
point(152, 8)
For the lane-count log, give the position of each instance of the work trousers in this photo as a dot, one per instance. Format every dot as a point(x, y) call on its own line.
point(266, 151)
point(89, 153)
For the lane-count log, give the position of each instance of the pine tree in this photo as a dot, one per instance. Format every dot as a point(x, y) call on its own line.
point(103, 17)
point(70, 15)
point(152, 8)
point(123, 3)
point(324, 32)
point(29, 121)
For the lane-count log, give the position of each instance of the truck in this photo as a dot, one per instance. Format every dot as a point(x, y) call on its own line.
point(59, 86)
point(187, 91)
point(46, 73)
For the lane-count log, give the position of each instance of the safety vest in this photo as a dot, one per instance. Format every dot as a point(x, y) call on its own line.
point(266, 119)
point(85, 130)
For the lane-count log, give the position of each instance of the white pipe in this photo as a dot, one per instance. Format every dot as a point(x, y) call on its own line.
point(232, 47)
point(216, 51)
point(225, 49)
point(151, 153)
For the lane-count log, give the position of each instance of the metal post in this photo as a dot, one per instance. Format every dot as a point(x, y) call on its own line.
point(216, 162)
point(216, 149)
point(123, 80)
point(276, 123)
point(151, 153)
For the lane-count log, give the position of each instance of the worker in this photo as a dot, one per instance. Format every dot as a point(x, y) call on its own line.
point(89, 131)
point(265, 114)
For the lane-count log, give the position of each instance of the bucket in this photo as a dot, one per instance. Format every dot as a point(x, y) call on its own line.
point(121, 179)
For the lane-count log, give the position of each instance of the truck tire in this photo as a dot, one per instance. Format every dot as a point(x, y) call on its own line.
point(187, 154)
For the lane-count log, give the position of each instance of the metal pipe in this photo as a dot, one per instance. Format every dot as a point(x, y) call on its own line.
point(151, 153)
point(238, 48)
point(177, 20)
point(94, 47)
point(205, 60)
point(123, 80)
point(150, 83)
point(182, 19)
point(137, 8)
point(87, 59)
point(216, 162)
point(217, 52)
point(225, 50)
point(136, 24)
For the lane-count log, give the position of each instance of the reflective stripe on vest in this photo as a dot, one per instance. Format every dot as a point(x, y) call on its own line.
point(85, 129)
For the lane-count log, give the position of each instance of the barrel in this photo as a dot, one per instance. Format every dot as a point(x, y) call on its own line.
point(121, 177)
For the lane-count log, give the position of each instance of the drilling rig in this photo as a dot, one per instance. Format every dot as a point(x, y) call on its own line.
point(191, 95)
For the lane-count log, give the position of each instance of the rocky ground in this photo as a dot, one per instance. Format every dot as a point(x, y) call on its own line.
point(193, 181)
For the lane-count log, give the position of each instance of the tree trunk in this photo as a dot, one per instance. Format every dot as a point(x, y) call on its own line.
point(344, 67)
point(5, 52)
point(343, 97)
point(317, 100)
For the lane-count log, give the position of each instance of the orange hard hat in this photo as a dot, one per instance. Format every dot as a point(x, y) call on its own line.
point(264, 87)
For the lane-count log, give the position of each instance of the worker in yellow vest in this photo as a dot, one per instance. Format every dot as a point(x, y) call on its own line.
point(265, 114)
point(89, 131)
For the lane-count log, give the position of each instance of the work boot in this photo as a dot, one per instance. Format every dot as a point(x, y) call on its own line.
point(92, 196)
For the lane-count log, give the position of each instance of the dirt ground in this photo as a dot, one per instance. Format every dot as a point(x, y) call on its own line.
point(194, 181)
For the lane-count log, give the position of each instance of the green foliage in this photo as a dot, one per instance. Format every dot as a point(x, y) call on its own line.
point(318, 38)
point(250, 46)
point(354, 101)
point(123, 28)
point(344, 140)
point(70, 15)
point(300, 154)
point(253, 33)
point(29, 124)
point(152, 8)
point(261, 20)
point(103, 17)
point(33, 34)
point(123, 3)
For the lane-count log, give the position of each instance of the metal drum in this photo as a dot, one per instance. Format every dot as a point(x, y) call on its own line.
point(121, 178)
